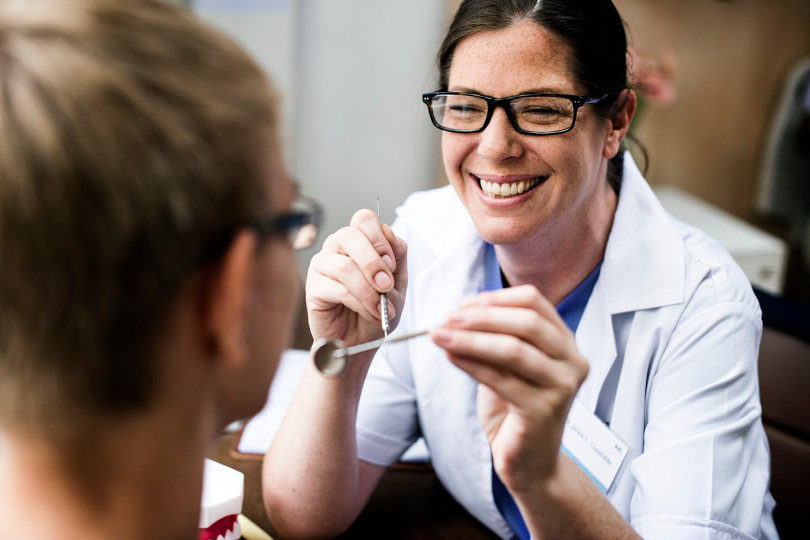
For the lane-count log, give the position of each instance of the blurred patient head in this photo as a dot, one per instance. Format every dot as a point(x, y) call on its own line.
point(142, 307)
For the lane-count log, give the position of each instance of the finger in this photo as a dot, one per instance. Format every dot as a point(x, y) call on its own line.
point(337, 297)
point(531, 401)
point(353, 243)
point(524, 323)
point(503, 352)
point(517, 392)
point(367, 221)
point(508, 387)
point(400, 250)
point(335, 278)
point(520, 296)
point(398, 245)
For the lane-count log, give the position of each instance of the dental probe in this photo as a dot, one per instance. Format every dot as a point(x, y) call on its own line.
point(386, 325)
point(331, 355)
point(363, 347)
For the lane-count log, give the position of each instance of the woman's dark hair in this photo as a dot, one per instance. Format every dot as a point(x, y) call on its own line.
point(592, 28)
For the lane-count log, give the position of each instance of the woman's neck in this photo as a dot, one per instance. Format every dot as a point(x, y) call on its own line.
point(556, 261)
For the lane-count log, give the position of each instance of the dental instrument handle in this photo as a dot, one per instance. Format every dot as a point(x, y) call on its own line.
point(386, 324)
point(363, 347)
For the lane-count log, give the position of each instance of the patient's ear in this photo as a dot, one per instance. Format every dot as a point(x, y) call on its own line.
point(619, 123)
point(228, 291)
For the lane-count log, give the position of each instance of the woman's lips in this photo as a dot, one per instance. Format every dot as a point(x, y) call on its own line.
point(504, 189)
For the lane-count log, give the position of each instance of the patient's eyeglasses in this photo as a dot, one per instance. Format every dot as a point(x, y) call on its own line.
point(532, 114)
point(300, 224)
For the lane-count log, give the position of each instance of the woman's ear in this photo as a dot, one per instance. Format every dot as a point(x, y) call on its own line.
point(619, 123)
point(227, 294)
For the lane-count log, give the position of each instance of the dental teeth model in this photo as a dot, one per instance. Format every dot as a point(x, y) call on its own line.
point(221, 504)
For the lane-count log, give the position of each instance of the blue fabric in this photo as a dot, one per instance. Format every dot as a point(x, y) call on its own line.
point(572, 306)
point(570, 309)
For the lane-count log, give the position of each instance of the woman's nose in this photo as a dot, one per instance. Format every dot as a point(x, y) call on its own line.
point(499, 140)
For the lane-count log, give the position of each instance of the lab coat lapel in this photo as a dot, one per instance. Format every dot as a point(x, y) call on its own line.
point(465, 263)
point(643, 268)
point(453, 276)
point(596, 341)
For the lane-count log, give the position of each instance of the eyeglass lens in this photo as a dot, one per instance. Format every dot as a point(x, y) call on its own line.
point(302, 230)
point(304, 236)
point(535, 114)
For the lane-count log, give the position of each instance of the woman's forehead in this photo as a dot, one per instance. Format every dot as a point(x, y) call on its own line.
point(520, 58)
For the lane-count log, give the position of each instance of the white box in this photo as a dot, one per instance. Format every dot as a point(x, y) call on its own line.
point(762, 256)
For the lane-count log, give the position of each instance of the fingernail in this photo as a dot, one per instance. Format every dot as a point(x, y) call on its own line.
point(389, 262)
point(442, 336)
point(382, 280)
point(456, 318)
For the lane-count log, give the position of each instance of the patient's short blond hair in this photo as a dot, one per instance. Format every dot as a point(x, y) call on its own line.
point(131, 142)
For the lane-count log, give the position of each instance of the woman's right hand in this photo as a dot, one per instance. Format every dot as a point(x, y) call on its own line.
point(345, 280)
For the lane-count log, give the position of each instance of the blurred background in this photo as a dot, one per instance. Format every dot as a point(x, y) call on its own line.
point(733, 128)
point(351, 73)
point(723, 117)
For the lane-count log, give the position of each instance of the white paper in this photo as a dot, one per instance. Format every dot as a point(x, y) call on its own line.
point(260, 430)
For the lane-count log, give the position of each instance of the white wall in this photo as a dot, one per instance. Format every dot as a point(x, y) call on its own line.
point(266, 29)
point(352, 72)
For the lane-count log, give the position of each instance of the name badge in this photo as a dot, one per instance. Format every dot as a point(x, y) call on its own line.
point(593, 446)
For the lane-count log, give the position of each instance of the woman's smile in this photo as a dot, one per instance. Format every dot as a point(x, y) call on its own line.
point(507, 187)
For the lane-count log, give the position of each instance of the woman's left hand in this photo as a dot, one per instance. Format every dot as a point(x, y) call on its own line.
point(516, 345)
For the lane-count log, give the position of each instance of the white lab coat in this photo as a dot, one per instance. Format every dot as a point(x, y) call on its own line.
point(671, 332)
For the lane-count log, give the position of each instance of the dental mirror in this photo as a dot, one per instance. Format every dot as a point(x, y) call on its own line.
point(331, 356)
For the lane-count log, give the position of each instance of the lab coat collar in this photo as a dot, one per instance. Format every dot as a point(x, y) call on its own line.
point(643, 268)
point(644, 260)
point(464, 250)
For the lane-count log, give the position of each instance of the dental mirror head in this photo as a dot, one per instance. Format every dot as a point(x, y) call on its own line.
point(330, 356)
point(324, 356)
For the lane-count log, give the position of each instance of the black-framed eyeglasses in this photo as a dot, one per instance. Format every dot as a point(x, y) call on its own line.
point(300, 224)
point(531, 114)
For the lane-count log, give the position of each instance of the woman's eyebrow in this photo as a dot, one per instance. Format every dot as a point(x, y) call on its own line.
point(543, 90)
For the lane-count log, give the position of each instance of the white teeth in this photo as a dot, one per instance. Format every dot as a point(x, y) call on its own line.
point(234, 534)
point(494, 189)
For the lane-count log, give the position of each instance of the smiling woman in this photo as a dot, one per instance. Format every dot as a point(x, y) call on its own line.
point(555, 282)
